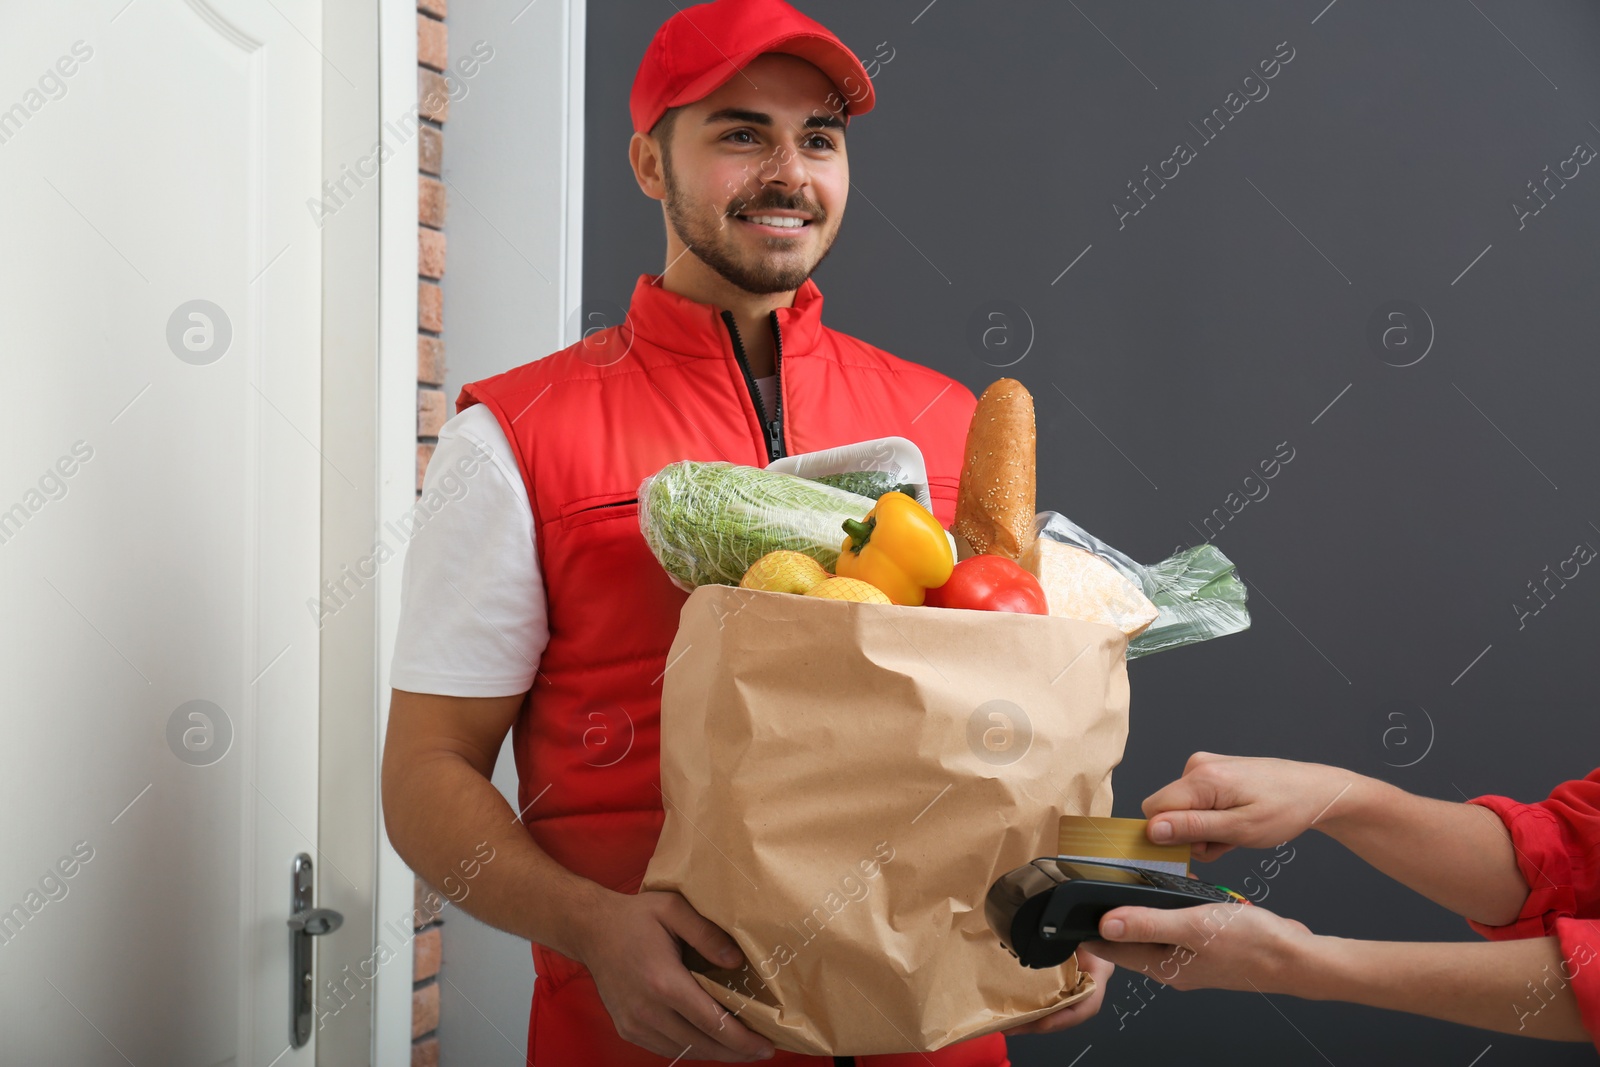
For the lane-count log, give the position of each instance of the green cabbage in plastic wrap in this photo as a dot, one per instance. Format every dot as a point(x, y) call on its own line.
point(707, 522)
point(1196, 591)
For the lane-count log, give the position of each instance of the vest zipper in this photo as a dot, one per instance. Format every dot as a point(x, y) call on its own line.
point(773, 427)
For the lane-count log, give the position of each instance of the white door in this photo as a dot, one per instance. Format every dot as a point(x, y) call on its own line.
point(159, 483)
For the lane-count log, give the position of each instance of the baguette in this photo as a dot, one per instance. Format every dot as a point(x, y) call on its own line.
point(995, 501)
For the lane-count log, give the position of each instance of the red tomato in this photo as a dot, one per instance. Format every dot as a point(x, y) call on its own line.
point(990, 583)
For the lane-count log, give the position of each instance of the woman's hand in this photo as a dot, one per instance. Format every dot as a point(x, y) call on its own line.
point(1227, 801)
point(1213, 946)
point(1073, 1014)
point(1457, 855)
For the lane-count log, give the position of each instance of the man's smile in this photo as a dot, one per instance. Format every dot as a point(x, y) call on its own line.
point(775, 223)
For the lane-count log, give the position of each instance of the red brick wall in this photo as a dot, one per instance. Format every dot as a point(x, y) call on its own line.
point(427, 905)
point(432, 410)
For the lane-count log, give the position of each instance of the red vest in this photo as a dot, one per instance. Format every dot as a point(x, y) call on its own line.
point(587, 424)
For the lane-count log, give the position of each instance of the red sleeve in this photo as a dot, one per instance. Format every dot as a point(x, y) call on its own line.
point(1557, 842)
point(1558, 851)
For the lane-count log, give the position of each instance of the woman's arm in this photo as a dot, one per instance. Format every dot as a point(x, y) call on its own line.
point(1458, 855)
point(1515, 987)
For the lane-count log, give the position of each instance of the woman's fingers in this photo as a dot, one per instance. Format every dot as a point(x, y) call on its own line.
point(1139, 958)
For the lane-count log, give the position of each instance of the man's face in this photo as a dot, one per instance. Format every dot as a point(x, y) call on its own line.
point(768, 142)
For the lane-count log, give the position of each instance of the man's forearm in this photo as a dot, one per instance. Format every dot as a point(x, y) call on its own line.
point(1457, 855)
point(440, 812)
point(1514, 987)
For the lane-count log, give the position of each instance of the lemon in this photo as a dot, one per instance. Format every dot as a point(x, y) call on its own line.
point(849, 589)
point(784, 571)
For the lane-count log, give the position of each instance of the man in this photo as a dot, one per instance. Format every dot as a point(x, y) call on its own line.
point(740, 109)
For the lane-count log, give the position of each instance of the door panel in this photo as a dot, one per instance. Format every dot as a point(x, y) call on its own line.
point(160, 276)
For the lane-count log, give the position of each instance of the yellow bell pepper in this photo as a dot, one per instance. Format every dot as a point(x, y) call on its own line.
point(899, 547)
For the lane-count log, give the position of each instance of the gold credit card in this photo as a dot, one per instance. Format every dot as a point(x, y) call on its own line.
point(1084, 837)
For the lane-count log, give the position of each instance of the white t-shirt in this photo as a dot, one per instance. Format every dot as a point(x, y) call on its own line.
point(473, 615)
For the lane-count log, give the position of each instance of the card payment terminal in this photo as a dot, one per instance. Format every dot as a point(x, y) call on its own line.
point(1043, 909)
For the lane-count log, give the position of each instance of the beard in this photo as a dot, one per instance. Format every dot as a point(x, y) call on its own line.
point(781, 269)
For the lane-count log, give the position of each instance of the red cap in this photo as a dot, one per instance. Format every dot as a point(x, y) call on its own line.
point(701, 47)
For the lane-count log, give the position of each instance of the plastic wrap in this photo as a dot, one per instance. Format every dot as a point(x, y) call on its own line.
point(707, 522)
point(870, 468)
point(1197, 592)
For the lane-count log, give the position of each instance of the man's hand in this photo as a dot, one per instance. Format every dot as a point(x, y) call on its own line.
point(1213, 946)
point(1073, 1014)
point(631, 947)
point(1227, 801)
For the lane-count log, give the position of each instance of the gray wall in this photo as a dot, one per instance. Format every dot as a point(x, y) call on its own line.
point(1223, 319)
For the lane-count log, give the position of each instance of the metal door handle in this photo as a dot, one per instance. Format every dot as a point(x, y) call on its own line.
point(305, 922)
point(316, 922)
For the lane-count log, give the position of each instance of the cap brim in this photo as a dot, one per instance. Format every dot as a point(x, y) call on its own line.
point(841, 66)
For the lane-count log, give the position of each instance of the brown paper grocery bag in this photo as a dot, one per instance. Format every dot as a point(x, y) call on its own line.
point(843, 782)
